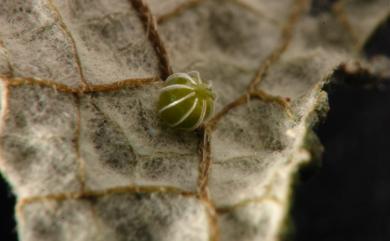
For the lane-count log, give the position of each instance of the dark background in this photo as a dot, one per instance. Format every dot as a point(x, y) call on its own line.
point(345, 196)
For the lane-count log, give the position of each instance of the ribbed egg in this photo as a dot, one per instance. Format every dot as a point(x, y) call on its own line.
point(185, 102)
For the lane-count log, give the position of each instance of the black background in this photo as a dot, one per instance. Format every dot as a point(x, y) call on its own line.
point(348, 197)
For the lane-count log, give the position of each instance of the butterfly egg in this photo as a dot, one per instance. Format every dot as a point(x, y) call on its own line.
point(185, 102)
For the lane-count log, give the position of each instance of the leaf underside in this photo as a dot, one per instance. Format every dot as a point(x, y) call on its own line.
point(80, 140)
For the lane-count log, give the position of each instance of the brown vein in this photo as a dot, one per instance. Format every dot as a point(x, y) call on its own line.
point(212, 220)
point(246, 202)
point(245, 98)
point(119, 85)
point(46, 83)
point(204, 164)
point(93, 194)
point(76, 56)
point(287, 33)
point(178, 10)
point(111, 191)
point(150, 26)
point(203, 176)
point(341, 15)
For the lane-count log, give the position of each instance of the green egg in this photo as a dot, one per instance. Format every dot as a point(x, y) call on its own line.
point(185, 102)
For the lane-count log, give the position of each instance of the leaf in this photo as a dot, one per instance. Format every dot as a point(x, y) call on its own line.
point(81, 143)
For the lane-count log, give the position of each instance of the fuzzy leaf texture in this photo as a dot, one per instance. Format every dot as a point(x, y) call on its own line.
point(81, 143)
